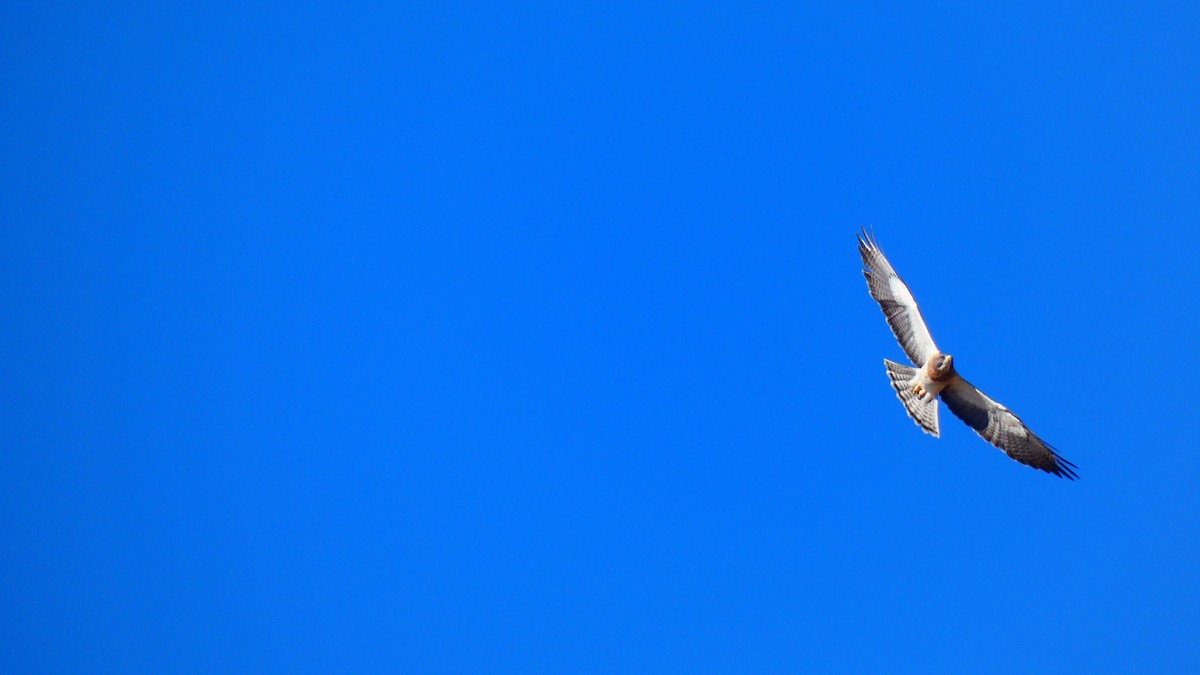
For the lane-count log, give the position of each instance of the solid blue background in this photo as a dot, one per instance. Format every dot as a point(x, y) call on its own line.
point(453, 337)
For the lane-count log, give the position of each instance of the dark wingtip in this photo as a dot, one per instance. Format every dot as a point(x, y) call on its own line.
point(1066, 470)
point(864, 239)
point(1063, 472)
point(866, 243)
point(1062, 467)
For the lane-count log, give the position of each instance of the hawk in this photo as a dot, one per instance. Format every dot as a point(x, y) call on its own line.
point(934, 376)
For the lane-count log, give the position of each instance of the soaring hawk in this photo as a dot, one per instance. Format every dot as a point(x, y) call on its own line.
point(919, 388)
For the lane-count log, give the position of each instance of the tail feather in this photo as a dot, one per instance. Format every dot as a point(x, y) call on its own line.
point(924, 414)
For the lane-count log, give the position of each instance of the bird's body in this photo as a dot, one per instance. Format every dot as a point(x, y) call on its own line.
point(933, 376)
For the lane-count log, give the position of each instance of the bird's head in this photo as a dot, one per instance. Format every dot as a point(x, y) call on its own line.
point(941, 366)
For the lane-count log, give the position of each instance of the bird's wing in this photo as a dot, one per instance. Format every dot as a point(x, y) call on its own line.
point(998, 426)
point(896, 301)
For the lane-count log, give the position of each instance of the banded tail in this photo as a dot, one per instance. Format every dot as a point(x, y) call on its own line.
point(924, 414)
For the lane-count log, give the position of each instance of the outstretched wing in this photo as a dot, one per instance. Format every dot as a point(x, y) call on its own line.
point(998, 426)
point(896, 301)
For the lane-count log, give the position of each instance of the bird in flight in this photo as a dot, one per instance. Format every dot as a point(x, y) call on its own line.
point(934, 375)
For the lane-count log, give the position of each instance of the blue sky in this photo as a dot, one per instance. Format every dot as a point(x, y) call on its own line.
point(514, 337)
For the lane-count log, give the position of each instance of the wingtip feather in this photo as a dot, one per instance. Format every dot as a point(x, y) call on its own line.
point(1065, 469)
point(1062, 467)
point(865, 240)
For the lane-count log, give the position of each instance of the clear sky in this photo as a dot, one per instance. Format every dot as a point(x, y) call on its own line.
point(531, 337)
